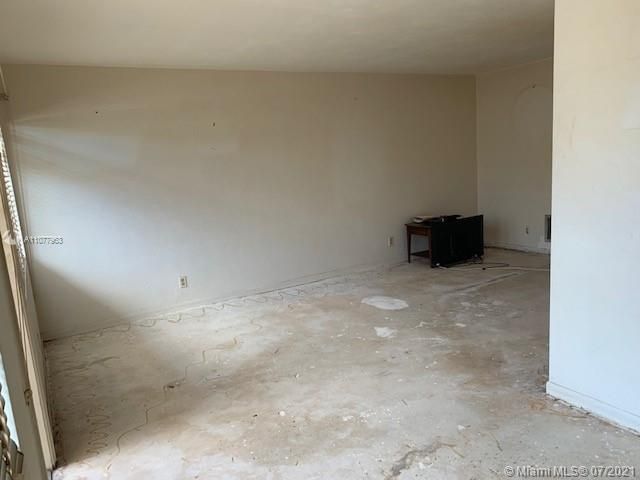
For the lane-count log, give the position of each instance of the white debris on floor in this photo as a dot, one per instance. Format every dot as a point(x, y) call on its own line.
point(385, 303)
point(385, 332)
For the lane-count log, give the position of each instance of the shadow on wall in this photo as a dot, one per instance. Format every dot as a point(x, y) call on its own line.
point(242, 181)
point(118, 220)
point(128, 222)
point(65, 292)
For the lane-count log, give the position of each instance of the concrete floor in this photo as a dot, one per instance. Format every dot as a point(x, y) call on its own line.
point(311, 383)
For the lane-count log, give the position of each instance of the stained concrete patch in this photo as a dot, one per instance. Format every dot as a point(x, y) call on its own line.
point(385, 303)
point(412, 455)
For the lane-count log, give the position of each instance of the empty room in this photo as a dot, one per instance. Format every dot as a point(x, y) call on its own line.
point(389, 239)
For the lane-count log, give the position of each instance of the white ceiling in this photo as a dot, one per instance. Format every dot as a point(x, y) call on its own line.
point(433, 36)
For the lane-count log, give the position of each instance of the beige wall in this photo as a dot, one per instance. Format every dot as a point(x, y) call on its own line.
point(241, 181)
point(515, 110)
point(595, 266)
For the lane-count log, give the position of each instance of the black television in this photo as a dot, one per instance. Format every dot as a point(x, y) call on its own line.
point(456, 240)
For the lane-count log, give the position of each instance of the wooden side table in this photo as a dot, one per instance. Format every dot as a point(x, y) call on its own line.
point(422, 230)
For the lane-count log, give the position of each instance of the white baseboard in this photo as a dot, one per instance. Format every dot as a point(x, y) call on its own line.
point(604, 410)
point(520, 248)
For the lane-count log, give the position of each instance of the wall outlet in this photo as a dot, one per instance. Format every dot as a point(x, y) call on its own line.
point(390, 242)
point(182, 282)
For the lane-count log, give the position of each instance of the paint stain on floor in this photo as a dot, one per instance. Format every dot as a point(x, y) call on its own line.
point(385, 303)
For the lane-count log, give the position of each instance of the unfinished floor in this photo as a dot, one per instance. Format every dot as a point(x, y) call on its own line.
point(313, 383)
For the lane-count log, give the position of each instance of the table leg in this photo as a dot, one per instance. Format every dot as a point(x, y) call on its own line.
point(408, 247)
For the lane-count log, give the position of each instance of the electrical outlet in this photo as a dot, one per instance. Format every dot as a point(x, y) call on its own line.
point(390, 242)
point(182, 282)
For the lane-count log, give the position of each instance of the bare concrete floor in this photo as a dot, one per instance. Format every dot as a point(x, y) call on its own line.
point(311, 383)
